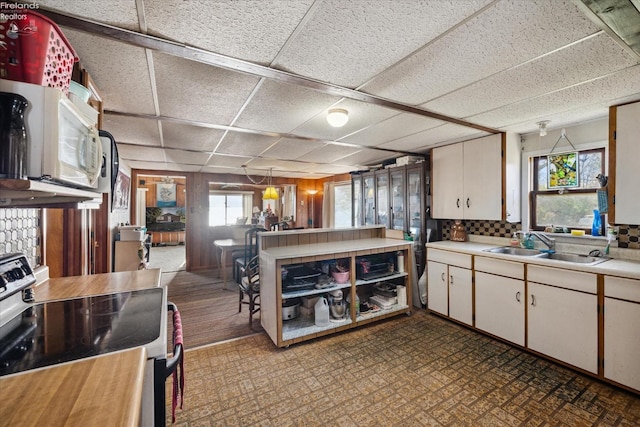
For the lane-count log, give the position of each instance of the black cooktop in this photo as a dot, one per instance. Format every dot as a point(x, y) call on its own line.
point(61, 331)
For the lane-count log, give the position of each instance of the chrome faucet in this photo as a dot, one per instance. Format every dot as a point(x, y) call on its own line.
point(548, 241)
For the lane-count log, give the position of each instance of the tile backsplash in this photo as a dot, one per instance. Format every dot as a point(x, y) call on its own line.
point(628, 235)
point(21, 231)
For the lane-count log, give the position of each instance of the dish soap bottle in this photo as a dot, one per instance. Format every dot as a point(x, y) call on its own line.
point(597, 224)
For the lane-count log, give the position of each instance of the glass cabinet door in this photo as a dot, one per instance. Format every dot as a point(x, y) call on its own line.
point(369, 206)
point(397, 200)
point(414, 201)
point(356, 194)
point(382, 206)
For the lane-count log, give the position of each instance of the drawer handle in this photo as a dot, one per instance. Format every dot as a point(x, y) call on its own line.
point(468, 202)
point(458, 202)
point(451, 277)
point(533, 300)
point(442, 277)
point(518, 296)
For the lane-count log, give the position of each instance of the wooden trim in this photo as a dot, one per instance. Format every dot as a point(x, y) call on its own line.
point(612, 164)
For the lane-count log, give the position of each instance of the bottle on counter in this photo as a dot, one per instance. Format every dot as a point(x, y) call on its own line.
point(321, 312)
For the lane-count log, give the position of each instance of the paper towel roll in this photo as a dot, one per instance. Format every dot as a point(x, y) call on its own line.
point(401, 263)
point(401, 291)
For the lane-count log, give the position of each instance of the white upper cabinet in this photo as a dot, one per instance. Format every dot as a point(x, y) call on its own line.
point(468, 179)
point(627, 173)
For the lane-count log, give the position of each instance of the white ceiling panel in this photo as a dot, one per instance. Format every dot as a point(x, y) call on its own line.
point(291, 149)
point(593, 57)
point(329, 169)
point(120, 13)
point(186, 137)
point(401, 125)
point(282, 107)
point(115, 61)
point(446, 133)
point(329, 153)
point(195, 91)
point(504, 35)
point(165, 167)
point(276, 165)
point(132, 130)
point(253, 30)
point(369, 157)
point(245, 144)
point(185, 157)
point(348, 42)
point(135, 152)
point(218, 160)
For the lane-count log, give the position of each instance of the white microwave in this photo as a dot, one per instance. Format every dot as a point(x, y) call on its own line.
point(63, 143)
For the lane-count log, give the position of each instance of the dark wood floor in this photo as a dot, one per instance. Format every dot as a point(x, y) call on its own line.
point(209, 313)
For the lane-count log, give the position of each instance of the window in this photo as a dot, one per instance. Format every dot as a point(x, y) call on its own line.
point(342, 205)
point(226, 208)
point(566, 207)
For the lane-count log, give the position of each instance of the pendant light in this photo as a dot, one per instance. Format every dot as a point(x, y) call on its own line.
point(270, 193)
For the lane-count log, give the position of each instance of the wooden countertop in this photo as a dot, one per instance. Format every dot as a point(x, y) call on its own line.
point(314, 249)
point(96, 284)
point(90, 392)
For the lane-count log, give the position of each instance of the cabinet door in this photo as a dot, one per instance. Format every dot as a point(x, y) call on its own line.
point(627, 174)
point(482, 178)
point(398, 192)
point(368, 188)
point(447, 182)
point(460, 295)
point(356, 207)
point(500, 306)
point(563, 324)
point(621, 343)
point(382, 198)
point(437, 292)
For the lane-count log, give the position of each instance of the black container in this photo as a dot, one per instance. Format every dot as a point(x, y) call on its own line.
point(13, 136)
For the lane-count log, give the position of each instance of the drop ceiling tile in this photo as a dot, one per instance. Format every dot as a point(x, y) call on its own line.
point(347, 43)
point(591, 58)
point(403, 124)
point(119, 13)
point(220, 169)
point(502, 36)
point(164, 167)
point(281, 107)
point(369, 157)
point(107, 61)
point(185, 157)
point(361, 115)
point(249, 30)
point(194, 91)
point(217, 160)
point(334, 169)
point(290, 149)
point(328, 153)
point(446, 133)
point(132, 130)
point(135, 152)
point(276, 165)
point(599, 92)
point(245, 144)
point(187, 137)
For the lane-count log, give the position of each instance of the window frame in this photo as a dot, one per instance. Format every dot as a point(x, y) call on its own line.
point(226, 194)
point(535, 185)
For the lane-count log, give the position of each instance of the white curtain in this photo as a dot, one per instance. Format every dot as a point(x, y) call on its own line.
point(247, 205)
point(328, 203)
point(288, 200)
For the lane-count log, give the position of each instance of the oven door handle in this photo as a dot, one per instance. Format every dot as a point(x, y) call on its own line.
point(174, 361)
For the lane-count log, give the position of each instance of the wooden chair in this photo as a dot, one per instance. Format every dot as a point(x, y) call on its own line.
point(250, 287)
point(250, 250)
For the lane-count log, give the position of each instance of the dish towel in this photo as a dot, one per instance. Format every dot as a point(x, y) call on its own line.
point(178, 373)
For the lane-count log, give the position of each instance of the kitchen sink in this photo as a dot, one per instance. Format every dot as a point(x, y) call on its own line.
point(575, 258)
point(511, 250)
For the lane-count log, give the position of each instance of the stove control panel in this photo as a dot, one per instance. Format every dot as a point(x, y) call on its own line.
point(15, 274)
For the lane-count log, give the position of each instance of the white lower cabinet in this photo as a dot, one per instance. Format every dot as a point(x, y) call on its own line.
point(500, 303)
point(450, 285)
point(621, 326)
point(563, 324)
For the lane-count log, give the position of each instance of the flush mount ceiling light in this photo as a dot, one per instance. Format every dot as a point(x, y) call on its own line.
point(337, 117)
point(543, 127)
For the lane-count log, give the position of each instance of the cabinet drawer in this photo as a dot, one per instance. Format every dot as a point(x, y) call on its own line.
point(570, 279)
point(500, 267)
point(451, 258)
point(617, 287)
